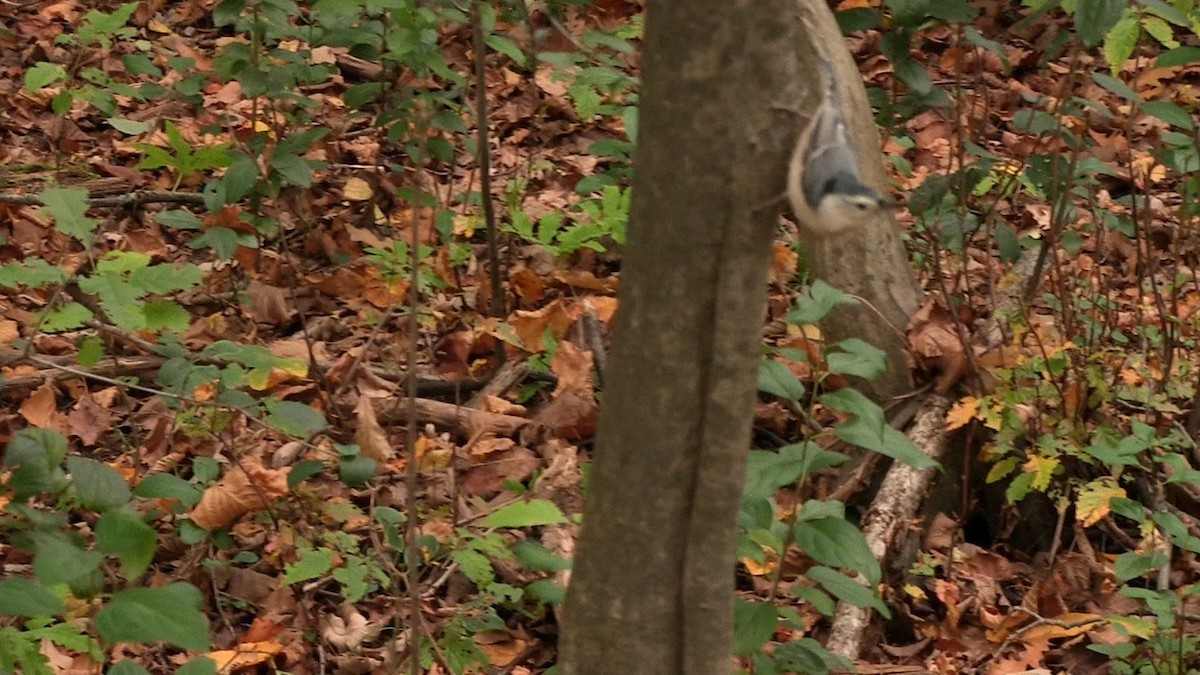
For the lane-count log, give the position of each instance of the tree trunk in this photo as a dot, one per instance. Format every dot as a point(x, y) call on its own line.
point(652, 587)
point(868, 262)
point(722, 84)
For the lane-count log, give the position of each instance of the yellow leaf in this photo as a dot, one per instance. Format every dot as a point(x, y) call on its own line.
point(965, 410)
point(1095, 500)
point(357, 190)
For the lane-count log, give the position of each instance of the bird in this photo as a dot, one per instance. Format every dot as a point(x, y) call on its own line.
point(825, 186)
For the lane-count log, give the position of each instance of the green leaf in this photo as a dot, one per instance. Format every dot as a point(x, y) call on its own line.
point(68, 208)
point(1121, 41)
point(69, 316)
point(123, 533)
point(1117, 87)
point(129, 127)
point(240, 178)
point(547, 592)
point(25, 597)
point(857, 358)
point(475, 566)
point(168, 486)
point(59, 561)
point(166, 315)
point(836, 542)
point(1170, 113)
point(42, 75)
point(302, 471)
point(1133, 565)
point(127, 668)
point(868, 429)
point(295, 419)
point(36, 456)
point(532, 513)
point(820, 299)
point(846, 589)
point(753, 624)
point(1095, 18)
point(356, 471)
point(294, 170)
point(312, 563)
point(1180, 56)
point(819, 599)
point(198, 666)
point(168, 614)
point(99, 487)
point(538, 558)
point(776, 379)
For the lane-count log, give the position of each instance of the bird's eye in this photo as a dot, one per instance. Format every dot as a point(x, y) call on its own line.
point(861, 206)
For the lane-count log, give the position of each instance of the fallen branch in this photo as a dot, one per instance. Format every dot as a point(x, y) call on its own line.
point(127, 199)
point(895, 504)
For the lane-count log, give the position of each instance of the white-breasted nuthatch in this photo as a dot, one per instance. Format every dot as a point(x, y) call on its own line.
point(825, 186)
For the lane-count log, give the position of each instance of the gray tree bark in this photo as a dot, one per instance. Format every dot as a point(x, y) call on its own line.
point(868, 262)
point(652, 587)
point(722, 84)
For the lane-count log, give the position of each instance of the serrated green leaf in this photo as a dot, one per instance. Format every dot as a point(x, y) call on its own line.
point(294, 170)
point(856, 358)
point(1120, 42)
point(820, 299)
point(475, 566)
point(69, 316)
point(311, 563)
point(168, 614)
point(536, 557)
point(68, 208)
point(42, 75)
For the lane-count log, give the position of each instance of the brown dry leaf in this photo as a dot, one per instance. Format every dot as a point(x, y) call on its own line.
point(486, 478)
point(244, 656)
point(350, 630)
point(1065, 625)
point(488, 446)
point(530, 327)
point(357, 190)
point(573, 366)
point(369, 435)
point(570, 415)
point(268, 304)
point(528, 286)
point(503, 406)
point(9, 331)
point(586, 280)
point(247, 488)
point(501, 647)
point(88, 420)
point(40, 409)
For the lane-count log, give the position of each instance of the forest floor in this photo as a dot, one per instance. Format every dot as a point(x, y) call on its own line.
point(305, 574)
